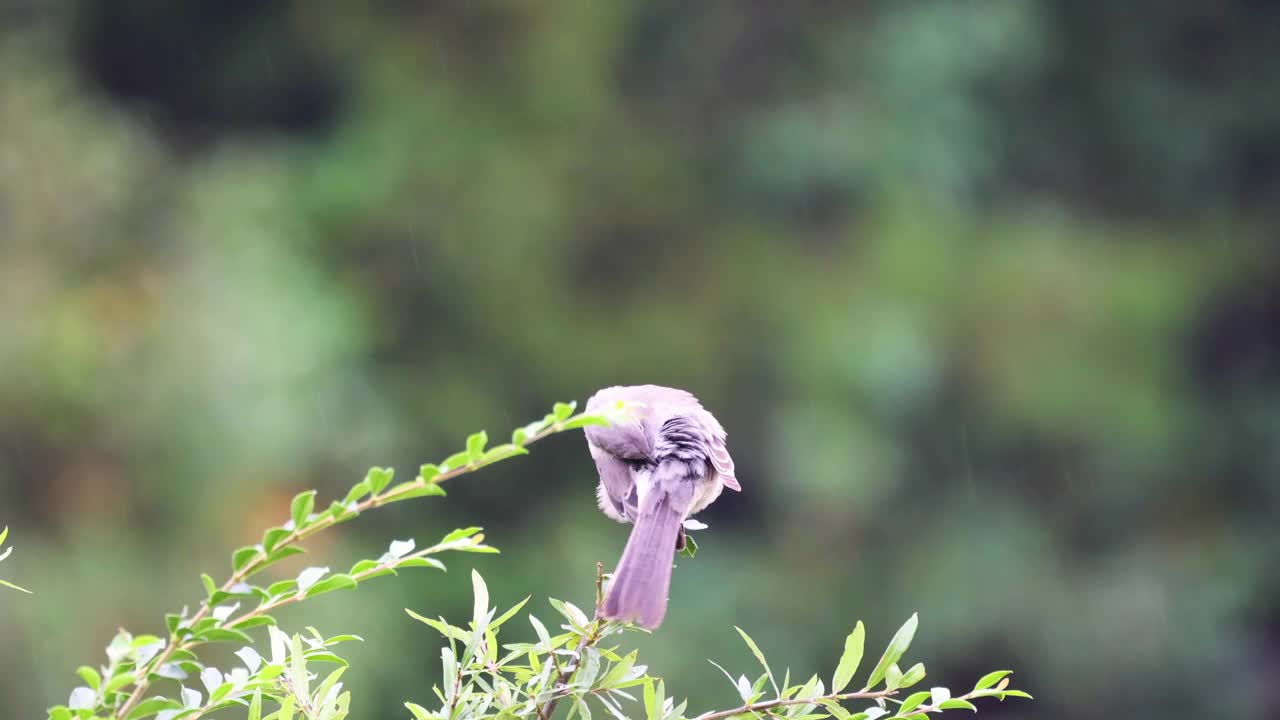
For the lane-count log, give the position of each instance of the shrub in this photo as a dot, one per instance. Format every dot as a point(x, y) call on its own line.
point(584, 667)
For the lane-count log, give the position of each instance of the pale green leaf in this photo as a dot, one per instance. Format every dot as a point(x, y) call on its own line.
point(991, 679)
point(850, 659)
point(301, 507)
point(755, 650)
point(480, 609)
point(897, 646)
point(475, 446)
point(378, 478)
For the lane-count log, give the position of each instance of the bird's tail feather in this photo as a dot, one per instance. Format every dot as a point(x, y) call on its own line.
point(643, 578)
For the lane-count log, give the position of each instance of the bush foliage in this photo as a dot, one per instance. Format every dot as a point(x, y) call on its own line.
point(582, 667)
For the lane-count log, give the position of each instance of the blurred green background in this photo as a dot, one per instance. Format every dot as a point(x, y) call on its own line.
point(986, 293)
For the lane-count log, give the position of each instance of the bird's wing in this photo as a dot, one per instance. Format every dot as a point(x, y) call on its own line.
point(617, 492)
point(722, 462)
point(615, 448)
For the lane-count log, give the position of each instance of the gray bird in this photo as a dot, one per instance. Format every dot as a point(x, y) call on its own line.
point(662, 460)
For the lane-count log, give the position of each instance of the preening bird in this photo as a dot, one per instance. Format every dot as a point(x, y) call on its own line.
point(662, 460)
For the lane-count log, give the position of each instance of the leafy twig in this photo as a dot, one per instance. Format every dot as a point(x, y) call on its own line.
point(590, 636)
point(142, 680)
point(767, 704)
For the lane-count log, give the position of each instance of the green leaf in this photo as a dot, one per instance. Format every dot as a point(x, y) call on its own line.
point(11, 586)
point(913, 702)
point(222, 691)
point(90, 676)
point(755, 650)
point(459, 534)
point(851, 658)
point(475, 445)
point(836, 709)
point(957, 704)
point(543, 636)
point(476, 548)
point(298, 668)
point(502, 452)
point(419, 712)
point(327, 684)
point(562, 411)
point(242, 557)
point(378, 478)
point(326, 657)
point(210, 587)
point(414, 489)
point(117, 682)
point(428, 472)
point(690, 547)
point(588, 669)
point(897, 646)
point(893, 677)
point(253, 622)
point(508, 614)
point(456, 460)
point(912, 676)
point(571, 612)
point(618, 670)
point(449, 669)
point(273, 536)
point(413, 562)
point(734, 683)
point(199, 627)
point(1016, 693)
point(585, 420)
point(441, 627)
point(225, 634)
point(4, 534)
point(357, 492)
point(279, 554)
point(480, 609)
point(283, 587)
point(301, 507)
point(152, 706)
point(255, 706)
point(338, 511)
point(143, 640)
point(991, 679)
point(339, 581)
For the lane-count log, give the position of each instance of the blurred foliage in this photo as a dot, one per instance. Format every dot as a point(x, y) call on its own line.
point(987, 295)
